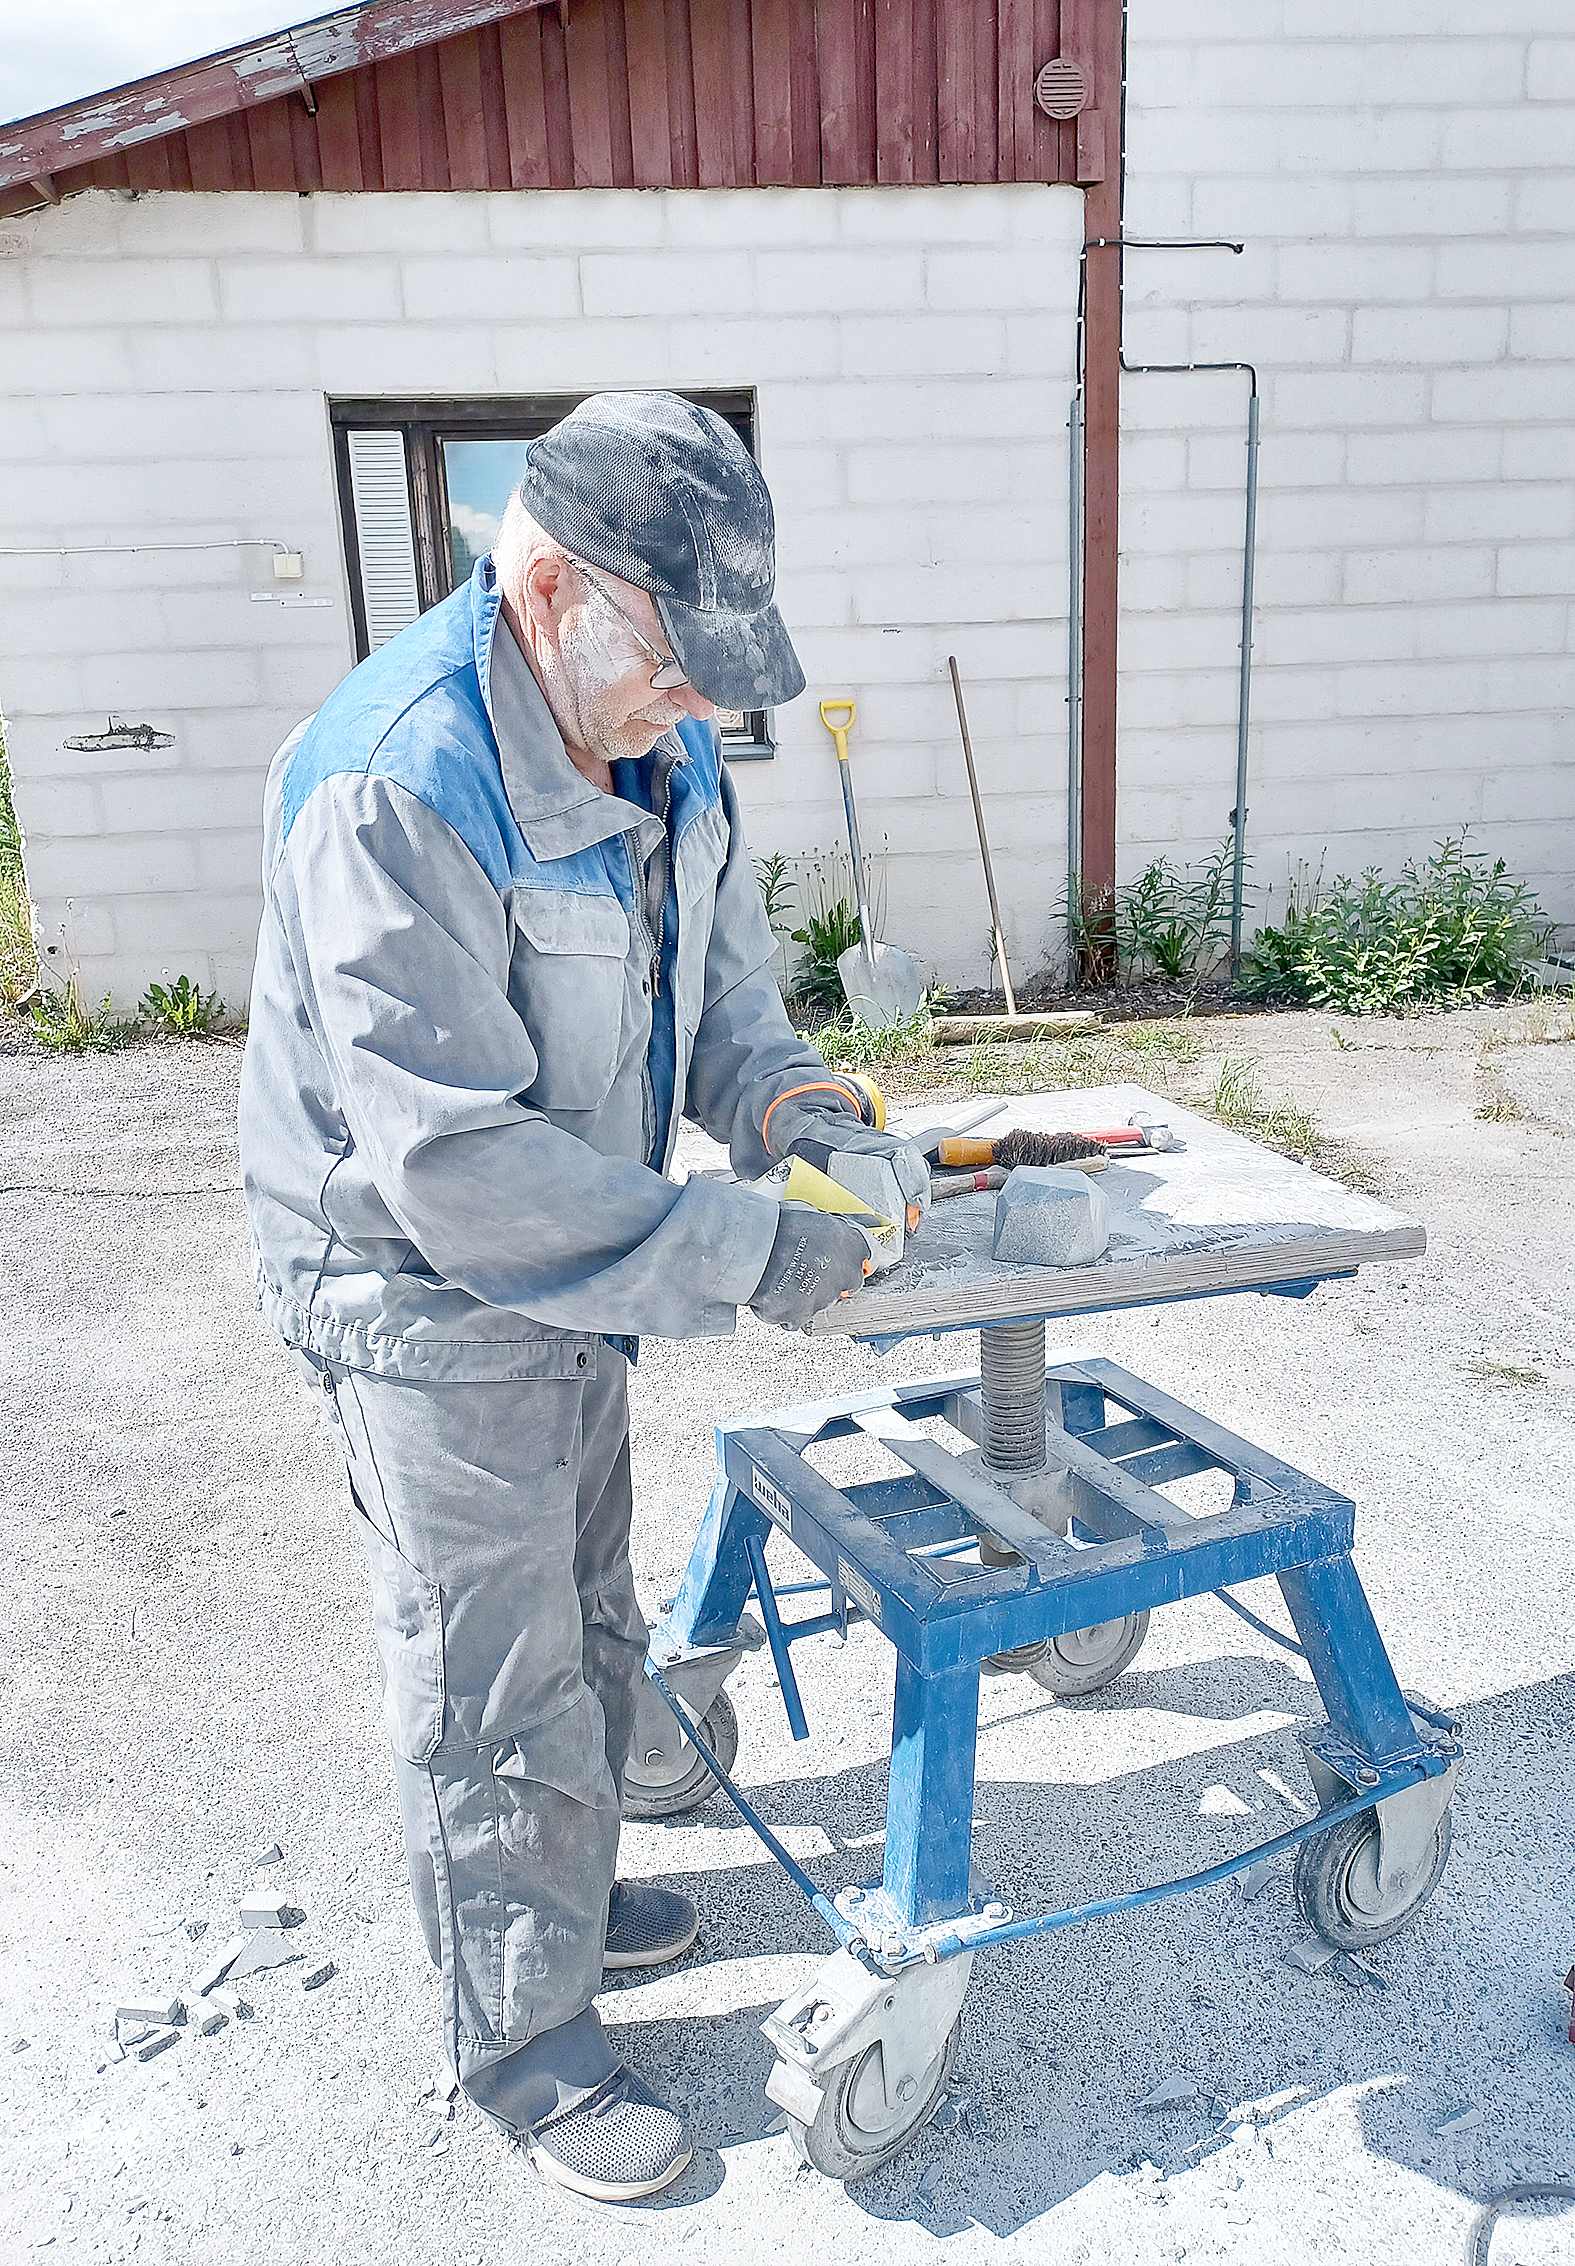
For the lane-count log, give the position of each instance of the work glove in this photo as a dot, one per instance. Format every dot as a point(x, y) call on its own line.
point(834, 1130)
point(815, 1257)
point(810, 1122)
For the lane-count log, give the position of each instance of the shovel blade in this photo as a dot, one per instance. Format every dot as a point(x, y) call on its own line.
point(882, 985)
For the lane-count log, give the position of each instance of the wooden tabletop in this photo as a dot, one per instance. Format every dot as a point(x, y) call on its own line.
point(1219, 1213)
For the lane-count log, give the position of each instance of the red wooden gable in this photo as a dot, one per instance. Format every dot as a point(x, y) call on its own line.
point(588, 94)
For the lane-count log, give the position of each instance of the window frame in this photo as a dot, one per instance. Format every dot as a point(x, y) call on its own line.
point(426, 421)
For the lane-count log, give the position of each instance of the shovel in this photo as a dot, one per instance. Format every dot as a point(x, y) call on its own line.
point(882, 985)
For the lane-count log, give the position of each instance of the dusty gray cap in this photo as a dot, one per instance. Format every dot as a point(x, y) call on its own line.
point(665, 495)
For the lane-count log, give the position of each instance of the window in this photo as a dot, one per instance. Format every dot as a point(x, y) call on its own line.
point(423, 486)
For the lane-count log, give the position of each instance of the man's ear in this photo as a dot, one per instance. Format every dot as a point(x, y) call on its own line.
point(546, 592)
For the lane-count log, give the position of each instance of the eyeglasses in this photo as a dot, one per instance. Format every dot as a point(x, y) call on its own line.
point(669, 672)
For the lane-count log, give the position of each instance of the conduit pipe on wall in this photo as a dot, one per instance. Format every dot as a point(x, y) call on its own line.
point(1074, 699)
point(1238, 816)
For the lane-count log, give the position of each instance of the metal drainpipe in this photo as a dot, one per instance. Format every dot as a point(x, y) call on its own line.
point(1238, 817)
point(1074, 700)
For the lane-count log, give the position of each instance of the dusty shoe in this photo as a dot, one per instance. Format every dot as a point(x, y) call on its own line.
point(616, 2143)
point(646, 1925)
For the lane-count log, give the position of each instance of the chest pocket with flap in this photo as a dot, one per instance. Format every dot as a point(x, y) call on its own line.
point(567, 982)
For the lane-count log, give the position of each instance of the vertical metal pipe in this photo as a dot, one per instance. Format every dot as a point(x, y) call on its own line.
point(1238, 816)
point(1074, 695)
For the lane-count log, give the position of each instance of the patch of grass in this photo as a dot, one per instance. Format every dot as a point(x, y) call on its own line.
point(18, 952)
point(1161, 1047)
point(1238, 1102)
point(1541, 1022)
point(1496, 1105)
point(181, 1010)
point(1448, 933)
point(1500, 1373)
point(65, 1024)
point(847, 1044)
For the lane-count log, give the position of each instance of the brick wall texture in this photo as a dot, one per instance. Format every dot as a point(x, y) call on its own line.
point(1404, 195)
point(169, 366)
point(1403, 178)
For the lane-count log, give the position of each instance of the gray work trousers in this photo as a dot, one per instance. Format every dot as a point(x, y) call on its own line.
point(495, 1521)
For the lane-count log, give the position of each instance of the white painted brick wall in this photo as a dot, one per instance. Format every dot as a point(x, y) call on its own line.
point(1404, 178)
point(167, 368)
point(1404, 181)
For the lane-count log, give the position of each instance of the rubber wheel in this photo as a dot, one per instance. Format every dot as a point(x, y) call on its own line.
point(717, 1730)
point(1337, 1884)
point(1085, 1660)
point(854, 2131)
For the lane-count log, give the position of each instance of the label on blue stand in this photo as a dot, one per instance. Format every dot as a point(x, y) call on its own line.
point(861, 1591)
point(773, 1502)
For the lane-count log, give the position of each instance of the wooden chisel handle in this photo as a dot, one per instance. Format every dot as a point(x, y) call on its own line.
point(966, 1183)
point(956, 1149)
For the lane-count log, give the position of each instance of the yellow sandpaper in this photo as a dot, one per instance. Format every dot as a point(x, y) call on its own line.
point(804, 1185)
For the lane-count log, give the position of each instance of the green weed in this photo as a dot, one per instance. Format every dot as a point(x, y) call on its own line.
point(847, 1044)
point(182, 1010)
point(65, 1024)
point(1172, 920)
point(1500, 1373)
point(1449, 932)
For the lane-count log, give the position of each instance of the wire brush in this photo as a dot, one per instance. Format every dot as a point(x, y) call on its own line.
point(1024, 1147)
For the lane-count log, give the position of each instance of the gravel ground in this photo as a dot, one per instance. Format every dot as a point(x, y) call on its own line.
point(189, 1679)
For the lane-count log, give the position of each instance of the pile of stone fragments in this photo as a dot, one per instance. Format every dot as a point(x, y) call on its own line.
point(149, 2022)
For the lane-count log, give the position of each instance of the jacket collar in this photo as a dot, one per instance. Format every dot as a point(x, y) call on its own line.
point(557, 809)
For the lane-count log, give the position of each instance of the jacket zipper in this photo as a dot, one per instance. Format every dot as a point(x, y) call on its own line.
point(652, 900)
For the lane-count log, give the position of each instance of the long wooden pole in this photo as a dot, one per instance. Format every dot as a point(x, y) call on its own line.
point(984, 844)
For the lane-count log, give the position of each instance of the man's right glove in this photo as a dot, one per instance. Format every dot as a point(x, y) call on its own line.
point(814, 1259)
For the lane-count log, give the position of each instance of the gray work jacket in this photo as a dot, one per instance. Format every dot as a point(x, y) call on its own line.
point(447, 1107)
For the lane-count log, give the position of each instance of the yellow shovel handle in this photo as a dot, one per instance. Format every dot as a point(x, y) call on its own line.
point(838, 731)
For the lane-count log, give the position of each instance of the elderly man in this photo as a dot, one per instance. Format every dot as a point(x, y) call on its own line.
point(510, 933)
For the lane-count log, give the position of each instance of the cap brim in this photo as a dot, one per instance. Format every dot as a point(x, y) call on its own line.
point(737, 660)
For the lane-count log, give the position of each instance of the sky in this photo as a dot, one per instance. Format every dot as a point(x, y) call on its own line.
point(63, 49)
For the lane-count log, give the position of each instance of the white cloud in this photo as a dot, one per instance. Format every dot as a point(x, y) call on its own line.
point(73, 48)
point(477, 527)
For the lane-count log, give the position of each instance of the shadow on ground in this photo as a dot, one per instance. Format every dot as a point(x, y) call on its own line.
point(1062, 2038)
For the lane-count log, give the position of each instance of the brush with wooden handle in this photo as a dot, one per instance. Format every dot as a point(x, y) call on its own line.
point(1025, 1147)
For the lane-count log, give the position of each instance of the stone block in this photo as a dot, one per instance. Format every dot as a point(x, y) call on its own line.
point(1048, 1217)
point(158, 2007)
point(265, 1908)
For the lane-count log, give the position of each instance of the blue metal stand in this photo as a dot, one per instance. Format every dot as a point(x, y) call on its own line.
point(920, 1555)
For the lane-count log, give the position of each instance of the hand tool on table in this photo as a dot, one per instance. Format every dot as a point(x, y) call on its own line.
point(928, 1141)
point(882, 985)
point(996, 929)
point(1080, 1150)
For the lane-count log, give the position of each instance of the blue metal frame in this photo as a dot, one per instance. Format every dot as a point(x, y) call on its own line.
point(903, 1552)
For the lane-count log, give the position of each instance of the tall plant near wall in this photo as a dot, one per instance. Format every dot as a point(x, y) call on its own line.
point(18, 956)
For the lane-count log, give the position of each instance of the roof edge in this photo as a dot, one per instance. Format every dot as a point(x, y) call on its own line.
point(237, 78)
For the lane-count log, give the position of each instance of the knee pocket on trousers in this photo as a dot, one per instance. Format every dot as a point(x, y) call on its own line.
point(407, 1620)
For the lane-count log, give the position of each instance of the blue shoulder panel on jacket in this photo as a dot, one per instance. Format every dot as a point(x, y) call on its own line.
point(698, 784)
point(413, 713)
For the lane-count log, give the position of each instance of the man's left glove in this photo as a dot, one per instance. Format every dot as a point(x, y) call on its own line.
point(816, 1127)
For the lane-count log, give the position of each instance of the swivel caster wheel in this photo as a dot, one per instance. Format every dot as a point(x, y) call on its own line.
point(1085, 1660)
point(856, 2128)
point(1338, 1889)
point(657, 1786)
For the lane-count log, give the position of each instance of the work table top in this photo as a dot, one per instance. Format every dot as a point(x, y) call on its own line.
point(1220, 1213)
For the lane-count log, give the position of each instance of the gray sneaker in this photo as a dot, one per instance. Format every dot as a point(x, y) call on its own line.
point(647, 1926)
point(616, 2143)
